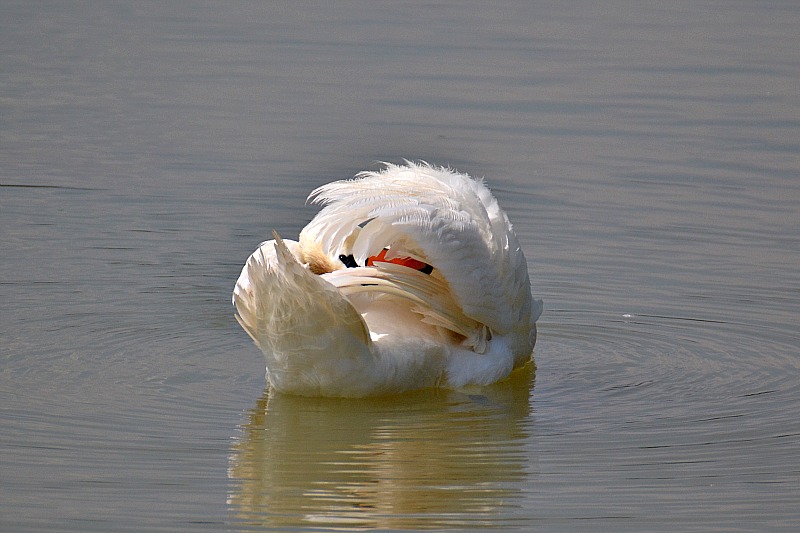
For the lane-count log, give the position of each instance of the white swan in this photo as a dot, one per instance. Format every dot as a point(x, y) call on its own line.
point(410, 277)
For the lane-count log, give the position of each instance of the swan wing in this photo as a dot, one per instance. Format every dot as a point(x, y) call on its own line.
point(438, 216)
point(427, 295)
point(297, 319)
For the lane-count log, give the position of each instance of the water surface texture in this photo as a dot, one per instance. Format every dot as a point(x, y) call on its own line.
point(646, 152)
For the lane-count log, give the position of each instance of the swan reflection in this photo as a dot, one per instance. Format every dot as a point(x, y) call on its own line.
point(434, 458)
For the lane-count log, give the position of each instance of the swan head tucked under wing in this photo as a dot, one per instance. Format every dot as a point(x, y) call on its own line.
point(409, 277)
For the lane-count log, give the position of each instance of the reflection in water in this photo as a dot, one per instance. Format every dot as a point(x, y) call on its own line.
point(429, 459)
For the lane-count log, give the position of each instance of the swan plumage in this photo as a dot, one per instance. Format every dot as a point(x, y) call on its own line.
point(409, 277)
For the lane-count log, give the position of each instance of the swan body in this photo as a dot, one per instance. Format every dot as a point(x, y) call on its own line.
point(409, 277)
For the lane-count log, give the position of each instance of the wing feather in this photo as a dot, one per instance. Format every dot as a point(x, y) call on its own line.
point(448, 220)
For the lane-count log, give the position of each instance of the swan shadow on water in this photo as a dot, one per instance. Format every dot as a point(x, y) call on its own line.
point(428, 459)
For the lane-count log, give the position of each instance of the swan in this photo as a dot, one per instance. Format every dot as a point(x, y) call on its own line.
point(409, 277)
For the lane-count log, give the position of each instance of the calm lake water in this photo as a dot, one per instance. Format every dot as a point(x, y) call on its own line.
point(647, 153)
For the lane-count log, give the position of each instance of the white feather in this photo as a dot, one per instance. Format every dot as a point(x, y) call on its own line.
point(389, 327)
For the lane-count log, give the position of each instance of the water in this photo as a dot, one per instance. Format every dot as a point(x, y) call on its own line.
point(647, 154)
